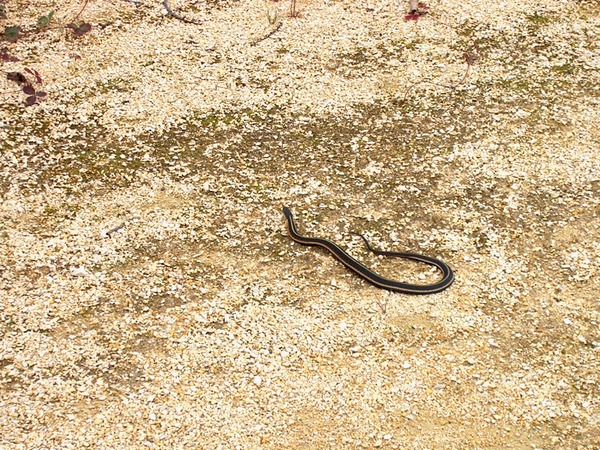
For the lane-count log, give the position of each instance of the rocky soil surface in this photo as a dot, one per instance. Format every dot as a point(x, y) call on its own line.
point(150, 296)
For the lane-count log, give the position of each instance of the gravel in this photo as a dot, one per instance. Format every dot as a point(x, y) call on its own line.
point(151, 298)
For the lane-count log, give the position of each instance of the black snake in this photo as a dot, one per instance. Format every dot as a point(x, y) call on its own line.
point(368, 274)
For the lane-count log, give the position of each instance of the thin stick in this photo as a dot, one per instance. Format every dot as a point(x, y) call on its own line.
point(447, 86)
point(469, 59)
point(107, 234)
point(266, 36)
point(79, 13)
point(382, 306)
point(177, 16)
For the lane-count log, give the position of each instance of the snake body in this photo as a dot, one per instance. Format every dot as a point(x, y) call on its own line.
point(368, 274)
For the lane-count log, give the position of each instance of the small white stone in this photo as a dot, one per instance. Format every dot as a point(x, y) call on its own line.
point(257, 380)
point(79, 271)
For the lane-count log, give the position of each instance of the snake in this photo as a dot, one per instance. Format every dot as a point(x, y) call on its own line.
point(366, 273)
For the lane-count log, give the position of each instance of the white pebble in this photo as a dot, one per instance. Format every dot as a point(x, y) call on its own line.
point(79, 271)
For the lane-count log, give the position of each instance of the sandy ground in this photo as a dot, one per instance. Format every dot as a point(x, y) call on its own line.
point(151, 298)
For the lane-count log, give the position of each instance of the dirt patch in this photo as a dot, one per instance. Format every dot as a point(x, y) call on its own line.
point(150, 295)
